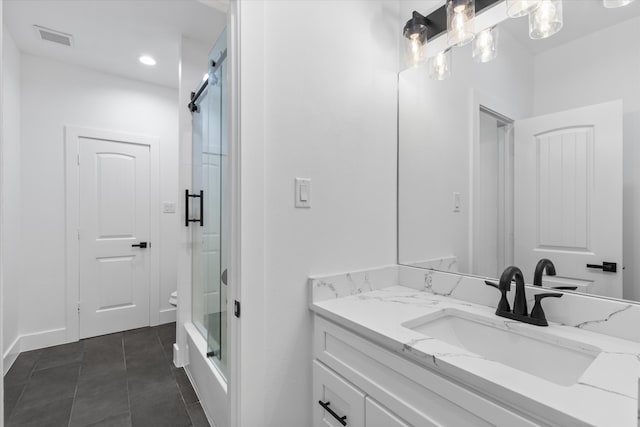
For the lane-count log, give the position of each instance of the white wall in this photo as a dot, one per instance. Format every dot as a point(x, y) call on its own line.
point(54, 95)
point(11, 199)
point(2, 371)
point(435, 130)
point(600, 67)
point(320, 103)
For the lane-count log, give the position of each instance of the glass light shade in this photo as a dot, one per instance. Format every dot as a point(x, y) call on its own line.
point(485, 45)
point(415, 34)
point(460, 21)
point(610, 4)
point(518, 8)
point(546, 20)
point(416, 44)
point(440, 65)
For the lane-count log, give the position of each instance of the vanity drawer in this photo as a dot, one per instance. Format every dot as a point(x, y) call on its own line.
point(377, 416)
point(339, 396)
point(418, 395)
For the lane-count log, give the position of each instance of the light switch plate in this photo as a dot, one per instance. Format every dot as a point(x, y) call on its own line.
point(303, 193)
point(456, 202)
point(168, 207)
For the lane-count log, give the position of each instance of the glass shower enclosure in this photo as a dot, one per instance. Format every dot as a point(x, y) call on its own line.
point(208, 205)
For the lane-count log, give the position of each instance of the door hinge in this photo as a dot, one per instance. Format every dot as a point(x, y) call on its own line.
point(236, 308)
point(78, 308)
point(78, 159)
point(78, 234)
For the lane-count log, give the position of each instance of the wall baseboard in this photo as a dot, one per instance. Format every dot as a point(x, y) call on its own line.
point(178, 357)
point(167, 315)
point(33, 341)
point(42, 339)
point(11, 355)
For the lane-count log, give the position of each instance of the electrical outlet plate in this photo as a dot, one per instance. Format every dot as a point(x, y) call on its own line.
point(168, 207)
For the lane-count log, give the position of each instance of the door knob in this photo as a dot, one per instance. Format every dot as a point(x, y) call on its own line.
point(141, 245)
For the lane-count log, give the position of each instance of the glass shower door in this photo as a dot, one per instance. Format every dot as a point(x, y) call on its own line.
point(209, 168)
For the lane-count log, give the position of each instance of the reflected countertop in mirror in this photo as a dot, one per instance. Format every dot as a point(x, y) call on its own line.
point(529, 156)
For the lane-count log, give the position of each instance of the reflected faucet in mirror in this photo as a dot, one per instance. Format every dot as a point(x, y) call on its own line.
point(546, 266)
point(520, 312)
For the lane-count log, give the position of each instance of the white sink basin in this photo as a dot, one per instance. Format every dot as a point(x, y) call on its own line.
point(557, 360)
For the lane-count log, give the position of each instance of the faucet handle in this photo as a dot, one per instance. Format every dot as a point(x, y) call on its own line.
point(537, 312)
point(493, 284)
point(503, 304)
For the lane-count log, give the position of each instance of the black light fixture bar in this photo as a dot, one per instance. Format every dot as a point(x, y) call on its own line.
point(437, 20)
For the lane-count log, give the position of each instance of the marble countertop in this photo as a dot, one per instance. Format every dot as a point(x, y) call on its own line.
point(605, 395)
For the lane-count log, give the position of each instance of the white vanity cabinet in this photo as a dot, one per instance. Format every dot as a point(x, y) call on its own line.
point(375, 387)
point(377, 416)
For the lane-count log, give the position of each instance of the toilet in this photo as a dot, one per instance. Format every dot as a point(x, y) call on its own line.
point(173, 299)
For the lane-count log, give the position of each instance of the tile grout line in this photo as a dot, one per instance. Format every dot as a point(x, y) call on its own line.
point(75, 392)
point(126, 376)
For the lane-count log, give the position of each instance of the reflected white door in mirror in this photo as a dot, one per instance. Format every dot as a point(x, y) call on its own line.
point(568, 195)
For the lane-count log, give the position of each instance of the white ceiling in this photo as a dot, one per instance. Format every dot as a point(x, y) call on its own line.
point(110, 35)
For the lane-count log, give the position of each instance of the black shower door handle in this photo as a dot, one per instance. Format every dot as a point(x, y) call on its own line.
point(188, 196)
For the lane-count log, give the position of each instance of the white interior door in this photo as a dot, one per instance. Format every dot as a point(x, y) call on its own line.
point(114, 214)
point(568, 195)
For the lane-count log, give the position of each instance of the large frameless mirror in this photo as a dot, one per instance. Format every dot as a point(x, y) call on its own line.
point(529, 155)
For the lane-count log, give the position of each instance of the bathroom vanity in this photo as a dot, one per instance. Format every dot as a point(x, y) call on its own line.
point(399, 346)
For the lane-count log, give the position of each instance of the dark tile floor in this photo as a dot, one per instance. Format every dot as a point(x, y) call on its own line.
point(123, 379)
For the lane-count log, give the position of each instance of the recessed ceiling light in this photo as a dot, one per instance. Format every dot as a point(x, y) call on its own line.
point(147, 60)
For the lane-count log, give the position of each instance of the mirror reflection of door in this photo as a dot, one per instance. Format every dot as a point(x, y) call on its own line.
point(493, 190)
point(568, 196)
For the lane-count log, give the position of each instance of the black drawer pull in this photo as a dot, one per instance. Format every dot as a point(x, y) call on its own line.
point(342, 420)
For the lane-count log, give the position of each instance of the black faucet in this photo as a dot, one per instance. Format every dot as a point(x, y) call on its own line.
point(546, 266)
point(520, 312)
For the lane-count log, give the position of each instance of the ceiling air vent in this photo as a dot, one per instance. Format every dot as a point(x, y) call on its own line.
point(54, 36)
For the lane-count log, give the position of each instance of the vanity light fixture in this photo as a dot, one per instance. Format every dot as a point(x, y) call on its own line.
point(147, 60)
point(518, 8)
point(415, 33)
point(460, 20)
point(485, 45)
point(610, 4)
point(440, 65)
point(546, 20)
